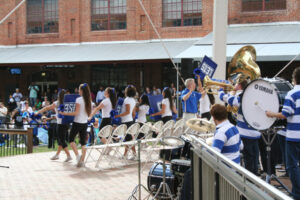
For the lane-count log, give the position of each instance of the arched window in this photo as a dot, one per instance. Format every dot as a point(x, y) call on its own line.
point(42, 16)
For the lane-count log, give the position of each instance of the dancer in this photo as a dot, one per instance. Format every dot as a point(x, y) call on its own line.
point(142, 110)
point(106, 105)
point(167, 106)
point(127, 112)
point(62, 129)
point(82, 111)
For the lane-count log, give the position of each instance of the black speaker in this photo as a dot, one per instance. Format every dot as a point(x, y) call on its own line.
point(187, 68)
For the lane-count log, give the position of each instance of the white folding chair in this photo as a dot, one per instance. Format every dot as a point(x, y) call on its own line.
point(168, 124)
point(157, 127)
point(145, 129)
point(118, 136)
point(104, 132)
point(178, 131)
point(179, 123)
point(133, 131)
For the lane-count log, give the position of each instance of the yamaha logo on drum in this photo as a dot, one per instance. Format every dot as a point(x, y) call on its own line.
point(263, 88)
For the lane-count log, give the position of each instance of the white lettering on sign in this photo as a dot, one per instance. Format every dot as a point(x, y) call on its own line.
point(208, 70)
point(69, 107)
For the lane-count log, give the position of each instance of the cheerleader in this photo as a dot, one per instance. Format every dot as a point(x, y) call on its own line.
point(106, 105)
point(142, 111)
point(167, 106)
point(62, 129)
point(82, 112)
point(127, 114)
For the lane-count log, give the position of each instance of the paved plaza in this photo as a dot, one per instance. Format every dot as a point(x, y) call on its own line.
point(36, 177)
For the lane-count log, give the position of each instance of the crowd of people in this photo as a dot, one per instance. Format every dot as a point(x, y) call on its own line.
point(231, 137)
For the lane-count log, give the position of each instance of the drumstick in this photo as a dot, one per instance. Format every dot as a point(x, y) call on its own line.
point(256, 103)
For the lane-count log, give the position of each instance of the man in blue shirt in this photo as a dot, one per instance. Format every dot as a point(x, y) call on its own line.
point(291, 112)
point(227, 138)
point(190, 98)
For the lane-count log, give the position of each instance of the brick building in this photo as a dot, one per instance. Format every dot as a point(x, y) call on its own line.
point(61, 43)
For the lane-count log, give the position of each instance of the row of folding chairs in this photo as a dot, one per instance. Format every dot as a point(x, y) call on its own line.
point(115, 140)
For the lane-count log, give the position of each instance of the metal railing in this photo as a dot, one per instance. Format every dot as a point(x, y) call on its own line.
point(15, 141)
point(215, 177)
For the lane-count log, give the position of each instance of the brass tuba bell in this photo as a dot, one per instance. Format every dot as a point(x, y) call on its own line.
point(243, 66)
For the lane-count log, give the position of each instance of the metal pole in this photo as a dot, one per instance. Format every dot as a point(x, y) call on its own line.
point(177, 90)
point(12, 11)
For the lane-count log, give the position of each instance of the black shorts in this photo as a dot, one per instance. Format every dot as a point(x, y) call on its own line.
point(128, 137)
point(81, 129)
point(166, 118)
point(105, 122)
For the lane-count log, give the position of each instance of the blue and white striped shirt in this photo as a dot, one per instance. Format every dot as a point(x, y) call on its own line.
point(291, 110)
point(244, 129)
point(227, 141)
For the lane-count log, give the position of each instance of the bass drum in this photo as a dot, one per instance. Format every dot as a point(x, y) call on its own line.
point(262, 95)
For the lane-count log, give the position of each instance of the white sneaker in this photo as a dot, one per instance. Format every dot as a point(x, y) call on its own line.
point(133, 157)
point(68, 159)
point(80, 164)
point(55, 157)
point(78, 158)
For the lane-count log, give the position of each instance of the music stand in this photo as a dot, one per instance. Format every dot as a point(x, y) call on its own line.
point(271, 135)
point(138, 188)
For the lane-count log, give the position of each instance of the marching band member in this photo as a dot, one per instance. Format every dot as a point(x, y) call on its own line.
point(167, 106)
point(190, 98)
point(249, 136)
point(205, 103)
point(227, 138)
point(106, 106)
point(291, 112)
point(62, 129)
point(127, 112)
point(82, 111)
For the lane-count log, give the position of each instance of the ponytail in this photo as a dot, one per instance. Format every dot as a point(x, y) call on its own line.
point(112, 96)
point(86, 94)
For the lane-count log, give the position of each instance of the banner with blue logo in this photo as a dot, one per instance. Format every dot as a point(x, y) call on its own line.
point(207, 67)
point(155, 105)
point(69, 106)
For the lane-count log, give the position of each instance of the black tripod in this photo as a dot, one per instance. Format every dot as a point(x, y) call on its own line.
point(268, 137)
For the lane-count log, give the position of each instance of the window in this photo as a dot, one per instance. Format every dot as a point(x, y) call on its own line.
point(42, 16)
point(263, 5)
point(182, 13)
point(108, 14)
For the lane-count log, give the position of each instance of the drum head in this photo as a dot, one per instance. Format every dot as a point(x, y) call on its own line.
point(259, 96)
point(172, 141)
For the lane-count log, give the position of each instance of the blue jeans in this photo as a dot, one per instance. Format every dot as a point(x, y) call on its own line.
point(251, 154)
point(292, 160)
point(32, 101)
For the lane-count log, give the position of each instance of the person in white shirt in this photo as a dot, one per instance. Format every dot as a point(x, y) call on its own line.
point(3, 113)
point(127, 113)
point(205, 103)
point(45, 102)
point(107, 105)
point(17, 97)
point(167, 106)
point(142, 111)
point(27, 108)
point(83, 110)
point(62, 129)
point(100, 95)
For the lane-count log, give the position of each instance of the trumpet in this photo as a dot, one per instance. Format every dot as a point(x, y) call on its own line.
point(215, 84)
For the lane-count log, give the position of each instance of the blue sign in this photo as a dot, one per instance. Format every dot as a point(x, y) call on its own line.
point(69, 106)
point(207, 67)
point(155, 105)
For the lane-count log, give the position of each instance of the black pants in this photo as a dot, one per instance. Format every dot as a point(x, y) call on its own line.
point(206, 115)
point(166, 118)
point(251, 154)
point(274, 154)
point(62, 130)
point(105, 122)
point(51, 135)
point(81, 129)
point(186, 191)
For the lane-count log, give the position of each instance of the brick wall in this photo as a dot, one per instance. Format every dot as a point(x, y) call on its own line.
point(75, 22)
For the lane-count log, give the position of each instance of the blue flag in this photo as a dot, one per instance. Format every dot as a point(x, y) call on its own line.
point(69, 106)
point(207, 67)
point(155, 105)
point(117, 111)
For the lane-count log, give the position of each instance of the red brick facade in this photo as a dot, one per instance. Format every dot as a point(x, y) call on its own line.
point(75, 22)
